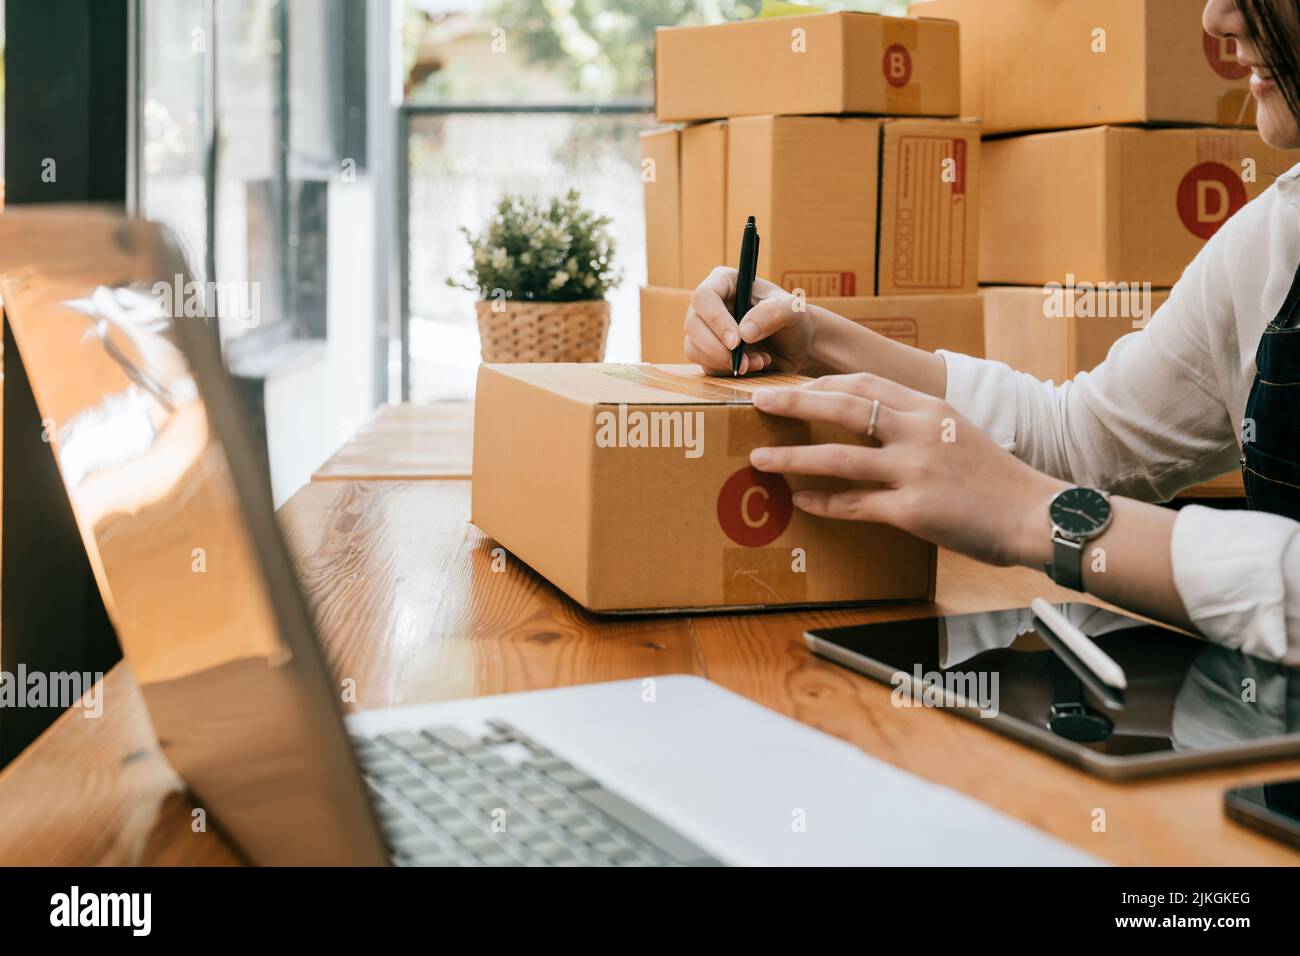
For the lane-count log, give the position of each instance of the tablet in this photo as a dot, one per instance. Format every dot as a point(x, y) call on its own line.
point(1188, 703)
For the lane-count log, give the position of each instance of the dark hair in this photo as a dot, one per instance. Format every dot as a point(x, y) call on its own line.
point(1278, 42)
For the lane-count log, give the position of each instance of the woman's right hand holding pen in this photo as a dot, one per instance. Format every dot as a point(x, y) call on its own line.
point(778, 331)
point(785, 333)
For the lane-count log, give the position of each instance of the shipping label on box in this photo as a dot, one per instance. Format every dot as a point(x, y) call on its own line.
point(822, 63)
point(929, 207)
point(629, 488)
point(1030, 65)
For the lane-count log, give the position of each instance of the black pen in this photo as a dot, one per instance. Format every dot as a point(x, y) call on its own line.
point(745, 285)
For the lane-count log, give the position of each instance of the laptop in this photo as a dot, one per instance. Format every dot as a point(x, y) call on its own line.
point(173, 505)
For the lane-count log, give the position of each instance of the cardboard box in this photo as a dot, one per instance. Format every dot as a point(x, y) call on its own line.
point(1113, 204)
point(628, 487)
point(1056, 64)
point(831, 193)
point(930, 322)
point(1056, 333)
point(953, 322)
point(811, 182)
point(663, 324)
point(704, 201)
point(824, 63)
point(661, 179)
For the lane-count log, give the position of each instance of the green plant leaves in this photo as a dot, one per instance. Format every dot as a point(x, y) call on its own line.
point(539, 251)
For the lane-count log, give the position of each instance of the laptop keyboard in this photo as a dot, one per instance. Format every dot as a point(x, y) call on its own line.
point(446, 798)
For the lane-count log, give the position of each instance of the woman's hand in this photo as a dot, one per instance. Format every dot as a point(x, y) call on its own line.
point(941, 478)
point(778, 320)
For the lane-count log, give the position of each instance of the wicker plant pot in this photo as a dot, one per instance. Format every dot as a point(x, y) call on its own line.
point(543, 331)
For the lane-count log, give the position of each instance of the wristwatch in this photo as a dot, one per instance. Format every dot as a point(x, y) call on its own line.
point(1070, 716)
point(1077, 515)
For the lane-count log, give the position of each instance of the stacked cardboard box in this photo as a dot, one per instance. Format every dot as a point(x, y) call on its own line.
point(1093, 201)
point(1065, 64)
point(868, 210)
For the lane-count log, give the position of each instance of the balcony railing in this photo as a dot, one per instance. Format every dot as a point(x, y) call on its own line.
point(456, 161)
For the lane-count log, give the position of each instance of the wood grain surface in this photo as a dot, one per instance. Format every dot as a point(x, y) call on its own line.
point(1229, 486)
point(407, 442)
point(409, 603)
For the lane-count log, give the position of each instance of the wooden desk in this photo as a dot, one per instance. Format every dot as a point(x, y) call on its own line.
point(1229, 486)
point(409, 605)
point(407, 441)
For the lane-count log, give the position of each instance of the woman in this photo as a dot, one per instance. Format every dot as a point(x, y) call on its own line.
point(1214, 379)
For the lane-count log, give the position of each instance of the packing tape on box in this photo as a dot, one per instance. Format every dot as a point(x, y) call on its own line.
point(900, 32)
point(747, 432)
point(697, 387)
point(701, 387)
point(762, 576)
point(744, 432)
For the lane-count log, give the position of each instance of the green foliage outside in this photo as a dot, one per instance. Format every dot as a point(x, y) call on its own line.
point(605, 48)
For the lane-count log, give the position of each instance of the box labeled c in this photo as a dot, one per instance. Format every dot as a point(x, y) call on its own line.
point(754, 507)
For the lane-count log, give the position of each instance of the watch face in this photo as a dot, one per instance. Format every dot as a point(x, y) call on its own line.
point(1080, 512)
point(1084, 727)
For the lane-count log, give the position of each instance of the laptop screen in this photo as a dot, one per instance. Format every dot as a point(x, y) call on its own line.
point(172, 501)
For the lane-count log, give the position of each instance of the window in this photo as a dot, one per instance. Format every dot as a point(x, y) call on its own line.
point(261, 128)
point(535, 97)
point(172, 118)
point(252, 117)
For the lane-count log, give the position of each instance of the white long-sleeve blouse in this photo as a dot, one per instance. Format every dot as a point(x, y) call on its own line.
point(1165, 411)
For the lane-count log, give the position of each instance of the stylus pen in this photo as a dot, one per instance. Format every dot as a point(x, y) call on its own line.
point(745, 284)
point(1083, 647)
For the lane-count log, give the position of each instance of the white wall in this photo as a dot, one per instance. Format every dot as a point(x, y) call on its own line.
point(318, 401)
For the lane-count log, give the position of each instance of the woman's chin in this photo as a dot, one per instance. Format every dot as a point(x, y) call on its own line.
point(1277, 126)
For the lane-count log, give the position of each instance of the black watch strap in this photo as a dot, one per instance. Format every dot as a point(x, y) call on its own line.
point(1066, 566)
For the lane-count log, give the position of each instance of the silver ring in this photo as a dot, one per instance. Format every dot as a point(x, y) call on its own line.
point(871, 422)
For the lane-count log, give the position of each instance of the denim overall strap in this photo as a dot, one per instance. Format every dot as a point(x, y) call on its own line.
point(1270, 459)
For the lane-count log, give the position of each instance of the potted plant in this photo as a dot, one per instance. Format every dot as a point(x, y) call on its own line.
point(541, 270)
